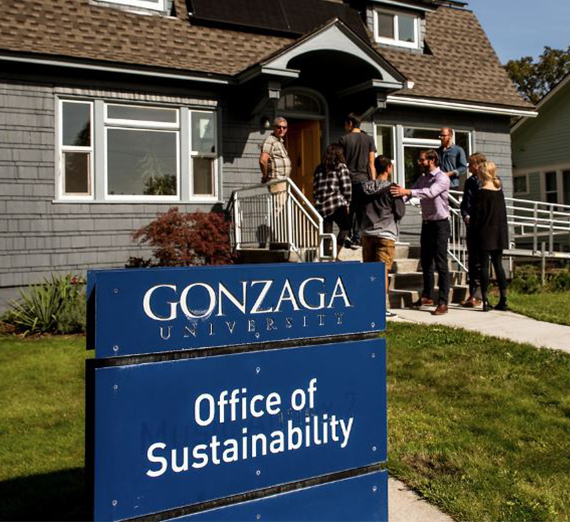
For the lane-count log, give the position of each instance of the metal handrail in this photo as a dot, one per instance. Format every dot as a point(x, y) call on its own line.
point(278, 212)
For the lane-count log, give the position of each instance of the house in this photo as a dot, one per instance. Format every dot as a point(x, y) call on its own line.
point(541, 154)
point(113, 111)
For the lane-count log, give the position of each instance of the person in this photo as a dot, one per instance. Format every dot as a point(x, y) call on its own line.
point(332, 191)
point(432, 188)
point(274, 160)
point(380, 217)
point(490, 228)
point(359, 152)
point(275, 164)
point(470, 191)
point(451, 157)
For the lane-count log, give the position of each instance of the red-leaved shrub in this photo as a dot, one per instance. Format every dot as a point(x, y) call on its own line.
point(183, 239)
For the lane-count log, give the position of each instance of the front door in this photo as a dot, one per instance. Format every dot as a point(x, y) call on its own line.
point(303, 142)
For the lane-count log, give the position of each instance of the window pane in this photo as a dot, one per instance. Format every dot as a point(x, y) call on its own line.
point(76, 173)
point(462, 139)
point(566, 184)
point(550, 180)
point(203, 132)
point(552, 197)
point(127, 112)
point(424, 134)
point(412, 169)
point(204, 176)
point(141, 163)
point(385, 25)
point(406, 25)
point(519, 183)
point(384, 139)
point(76, 123)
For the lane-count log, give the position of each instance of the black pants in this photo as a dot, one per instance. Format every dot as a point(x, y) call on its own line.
point(434, 238)
point(356, 208)
point(497, 260)
point(340, 217)
point(473, 263)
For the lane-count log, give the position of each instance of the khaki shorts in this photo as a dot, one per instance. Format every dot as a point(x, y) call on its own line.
point(378, 249)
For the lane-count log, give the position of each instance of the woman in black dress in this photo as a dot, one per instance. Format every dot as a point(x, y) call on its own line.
point(491, 230)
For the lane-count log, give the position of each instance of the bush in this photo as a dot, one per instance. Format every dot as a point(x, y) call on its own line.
point(526, 281)
point(560, 282)
point(56, 306)
point(183, 239)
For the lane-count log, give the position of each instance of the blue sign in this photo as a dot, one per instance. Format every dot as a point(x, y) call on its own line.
point(167, 309)
point(175, 433)
point(363, 498)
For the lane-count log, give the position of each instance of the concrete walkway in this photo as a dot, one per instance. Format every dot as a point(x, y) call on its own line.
point(403, 504)
point(506, 325)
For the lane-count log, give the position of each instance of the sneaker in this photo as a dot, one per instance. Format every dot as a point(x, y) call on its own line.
point(390, 314)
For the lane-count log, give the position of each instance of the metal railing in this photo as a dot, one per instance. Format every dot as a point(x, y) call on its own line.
point(278, 215)
point(531, 223)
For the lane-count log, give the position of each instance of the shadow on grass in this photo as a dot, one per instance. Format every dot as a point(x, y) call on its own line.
point(52, 496)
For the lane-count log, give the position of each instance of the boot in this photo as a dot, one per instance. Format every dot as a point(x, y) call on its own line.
point(502, 304)
point(486, 306)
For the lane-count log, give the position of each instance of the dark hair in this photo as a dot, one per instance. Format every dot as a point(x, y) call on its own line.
point(478, 158)
point(431, 155)
point(381, 163)
point(353, 119)
point(333, 156)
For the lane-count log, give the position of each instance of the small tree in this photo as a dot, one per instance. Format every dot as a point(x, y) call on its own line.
point(183, 239)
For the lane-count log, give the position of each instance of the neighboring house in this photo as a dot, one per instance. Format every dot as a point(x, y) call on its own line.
point(113, 111)
point(541, 150)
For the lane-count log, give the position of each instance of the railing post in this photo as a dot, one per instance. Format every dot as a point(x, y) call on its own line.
point(289, 217)
point(237, 222)
point(543, 264)
point(551, 231)
point(535, 228)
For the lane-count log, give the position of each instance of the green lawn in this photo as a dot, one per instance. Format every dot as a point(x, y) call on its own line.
point(480, 426)
point(546, 306)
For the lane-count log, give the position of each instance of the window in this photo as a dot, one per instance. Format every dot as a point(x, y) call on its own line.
point(566, 185)
point(155, 5)
point(385, 141)
point(417, 139)
point(520, 185)
point(145, 153)
point(551, 187)
point(76, 149)
point(393, 28)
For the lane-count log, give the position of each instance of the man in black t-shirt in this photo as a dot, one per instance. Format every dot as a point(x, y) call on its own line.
point(359, 153)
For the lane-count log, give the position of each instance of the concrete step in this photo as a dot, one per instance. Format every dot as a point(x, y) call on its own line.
point(403, 298)
point(405, 265)
point(414, 280)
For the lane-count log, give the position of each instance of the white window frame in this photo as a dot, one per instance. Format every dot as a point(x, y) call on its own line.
point(206, 198)
point(559, 185)
point(98, 151)
point(160, 5)
point(396, 40)
point(62, 149)
point(527, 185)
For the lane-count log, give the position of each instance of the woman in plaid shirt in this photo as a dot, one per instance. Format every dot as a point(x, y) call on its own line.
point(332, 191)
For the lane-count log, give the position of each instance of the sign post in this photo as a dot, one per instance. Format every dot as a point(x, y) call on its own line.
point(220, 392)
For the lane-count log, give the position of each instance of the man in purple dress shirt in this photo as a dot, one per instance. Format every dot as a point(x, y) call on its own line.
point(432, 188)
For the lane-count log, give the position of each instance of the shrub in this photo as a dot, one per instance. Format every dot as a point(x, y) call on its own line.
point(560, 282)
point(183, 239)
point(56, 306)
point(526, 281)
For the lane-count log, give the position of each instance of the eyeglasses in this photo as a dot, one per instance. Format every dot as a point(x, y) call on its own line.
point(280, 126)
point(444, 135)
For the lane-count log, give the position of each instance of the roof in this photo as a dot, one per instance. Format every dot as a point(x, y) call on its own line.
point(545, 100)
point(462, 66)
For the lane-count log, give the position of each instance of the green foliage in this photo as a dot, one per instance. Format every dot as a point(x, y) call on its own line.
point(536, 79)
point(56, 306)
point(560, 282)
point(183, 239)
point(526, 281)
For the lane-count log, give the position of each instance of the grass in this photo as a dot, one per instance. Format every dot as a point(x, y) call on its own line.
point(42, 428)
point(553, 307)
point(479, 426)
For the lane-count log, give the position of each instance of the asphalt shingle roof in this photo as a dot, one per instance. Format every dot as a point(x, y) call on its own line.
point(462, 66)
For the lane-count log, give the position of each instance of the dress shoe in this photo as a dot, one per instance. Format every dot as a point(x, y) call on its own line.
point(471, 302)
point(422, 301)
point(486, 306)
point(502, 305)
point(440, 310)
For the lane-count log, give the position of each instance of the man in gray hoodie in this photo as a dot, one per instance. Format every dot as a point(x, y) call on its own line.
point(380, 218)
